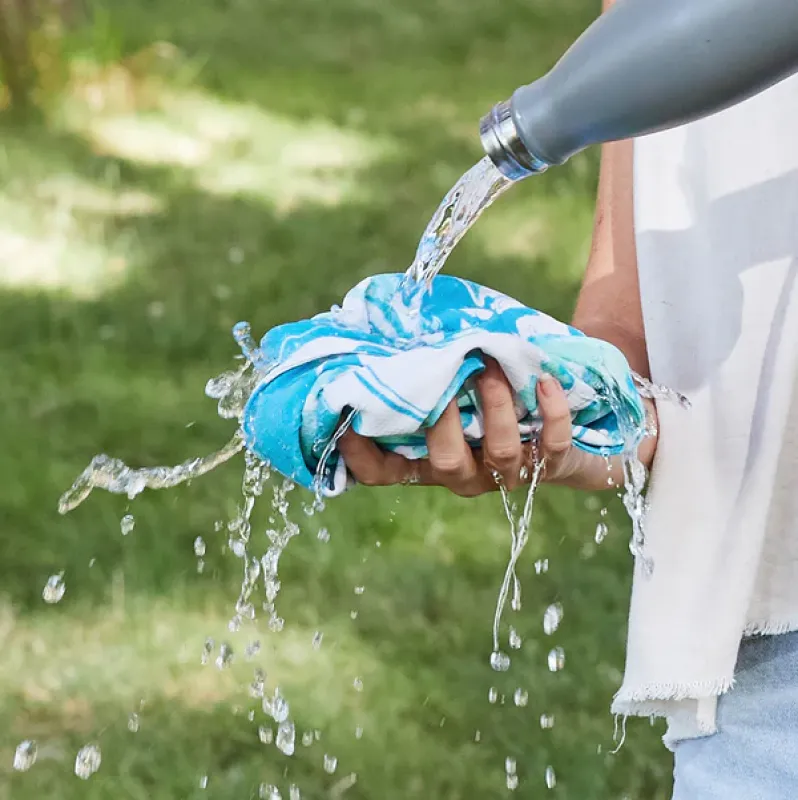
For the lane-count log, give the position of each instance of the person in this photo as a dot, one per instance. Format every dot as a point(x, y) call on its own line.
point(693, 274)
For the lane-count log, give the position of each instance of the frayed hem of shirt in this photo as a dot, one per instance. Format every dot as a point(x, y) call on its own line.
point(688, 708)
point(770, 627)
point(639, 701)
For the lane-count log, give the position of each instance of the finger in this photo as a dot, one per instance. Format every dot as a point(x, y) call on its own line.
point(372, 466)
point(557, 428)
point(502, 443)
point(450, 456)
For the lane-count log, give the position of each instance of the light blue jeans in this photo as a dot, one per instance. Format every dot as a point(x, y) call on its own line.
point(754, 755)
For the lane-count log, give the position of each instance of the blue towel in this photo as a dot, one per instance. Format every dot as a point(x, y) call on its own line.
point(397, 370)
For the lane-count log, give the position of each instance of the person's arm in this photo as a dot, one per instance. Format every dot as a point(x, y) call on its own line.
point(608, 306)
point(609, 301)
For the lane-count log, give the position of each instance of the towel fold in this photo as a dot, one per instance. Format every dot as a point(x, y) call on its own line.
point(396, 369)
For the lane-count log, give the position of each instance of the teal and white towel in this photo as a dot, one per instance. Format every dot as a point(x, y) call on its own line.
point(396, 370)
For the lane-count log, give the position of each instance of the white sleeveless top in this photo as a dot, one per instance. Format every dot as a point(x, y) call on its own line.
point(716, 219)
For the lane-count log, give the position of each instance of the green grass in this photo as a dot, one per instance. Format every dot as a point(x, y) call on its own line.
point(284, 150)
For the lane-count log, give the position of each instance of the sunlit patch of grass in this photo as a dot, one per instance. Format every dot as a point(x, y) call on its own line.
point(226, 148)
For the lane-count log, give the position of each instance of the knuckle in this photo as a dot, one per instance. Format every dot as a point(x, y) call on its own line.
point(557, 446)
point(504, 454)
point(449, 465)
point(369, 479)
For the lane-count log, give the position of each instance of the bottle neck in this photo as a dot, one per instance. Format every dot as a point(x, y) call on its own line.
point(503, 145)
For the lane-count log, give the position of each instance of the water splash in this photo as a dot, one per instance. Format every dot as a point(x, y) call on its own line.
point(25, 755)
point(87, 761)
point(459, 210)
point(117, 477)
point(330, 764)
point(286, 738)
point(511, 773)
point(519, 535)
point(552, 617)
point(556, 659)
point(54, 589)
point(656, 391)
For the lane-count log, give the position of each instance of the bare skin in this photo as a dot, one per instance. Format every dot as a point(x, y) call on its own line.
point(466, 472)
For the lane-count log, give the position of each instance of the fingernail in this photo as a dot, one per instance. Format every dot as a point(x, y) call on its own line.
point(546, 384)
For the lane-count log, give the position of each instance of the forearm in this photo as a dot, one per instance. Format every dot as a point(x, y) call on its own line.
point(608, 306)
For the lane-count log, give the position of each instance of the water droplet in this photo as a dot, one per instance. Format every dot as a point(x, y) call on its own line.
point(92, 562)
point(266, 735)
point(546, 721)
point(25, 755)
point(323, 535)
point(203, 782)
point(353, 614)
point(199, 547)
point(552, 618)
point(510, 766)
point(601, 532)
point(551, 778)
point(603, 512)
point(556, 659)
point(286, 736)
point(87, 761)
point(258, 683)
point(127, 524)
point(207, 650)
point(276, 624)
point(360, 589)
point(477, 736)
point(133, 723)
point(499, 661)
point(542, 566)
point(514, 639)
point(308, 738)
point(294, 793)
point(225, 657)
point(276, 707)
point(521, 697)
point(512, 782)
point(318, 636)
point(268, 792)
point(54, 588)
point(317, 734)
point(358, 684)
point(235, 255)
point(358, 732)
point(330, 764)
point(493, 695)
point(252, 649)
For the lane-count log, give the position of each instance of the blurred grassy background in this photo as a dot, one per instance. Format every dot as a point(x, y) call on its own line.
point(185, 165)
